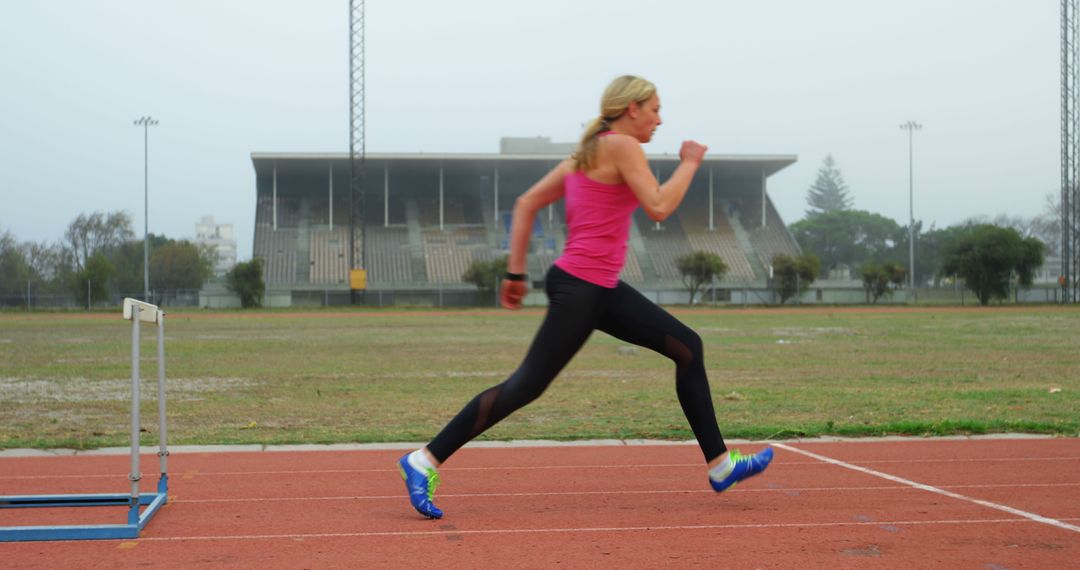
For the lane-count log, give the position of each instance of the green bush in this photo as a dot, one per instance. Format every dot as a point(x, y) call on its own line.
point(878, 278)
point(699, 268)
point(245, 279)
point(484, 274)
point(793, 275)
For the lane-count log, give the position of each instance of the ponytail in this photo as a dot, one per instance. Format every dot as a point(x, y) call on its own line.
point(617, 97)
point(585, 157)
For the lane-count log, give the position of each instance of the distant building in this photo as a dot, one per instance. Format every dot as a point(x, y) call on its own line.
point(208, 232)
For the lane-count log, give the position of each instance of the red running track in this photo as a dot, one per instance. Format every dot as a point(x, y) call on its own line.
point(924, 503)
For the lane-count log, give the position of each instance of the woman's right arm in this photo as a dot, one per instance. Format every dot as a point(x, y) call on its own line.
point(658, 200)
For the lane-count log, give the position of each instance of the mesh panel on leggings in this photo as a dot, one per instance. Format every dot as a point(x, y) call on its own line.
point(677, 351)
point(483, 411)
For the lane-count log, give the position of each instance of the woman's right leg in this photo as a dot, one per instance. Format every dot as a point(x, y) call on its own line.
point(573, 308)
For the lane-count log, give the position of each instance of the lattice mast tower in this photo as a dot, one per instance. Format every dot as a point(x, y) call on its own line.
point(357, 257)
point(1070, 150)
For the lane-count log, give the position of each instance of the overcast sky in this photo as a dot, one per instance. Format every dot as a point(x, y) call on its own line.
point(228, 78)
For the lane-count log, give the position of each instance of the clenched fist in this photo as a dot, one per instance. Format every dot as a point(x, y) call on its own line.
point(512, 293)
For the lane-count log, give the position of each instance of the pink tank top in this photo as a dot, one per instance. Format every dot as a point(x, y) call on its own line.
point(598, 218)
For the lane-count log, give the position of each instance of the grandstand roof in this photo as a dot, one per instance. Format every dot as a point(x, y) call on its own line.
point(298, 161)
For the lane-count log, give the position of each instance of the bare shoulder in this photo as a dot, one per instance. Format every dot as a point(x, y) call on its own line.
point(621, 143)
point(621, 150)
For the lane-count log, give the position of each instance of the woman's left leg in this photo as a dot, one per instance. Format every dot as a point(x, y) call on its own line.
point(633, 318)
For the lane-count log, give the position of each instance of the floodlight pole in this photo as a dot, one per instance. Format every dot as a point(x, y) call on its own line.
point(911, 127)
point(1070, 151)
point(146, 122)
point(357, 151)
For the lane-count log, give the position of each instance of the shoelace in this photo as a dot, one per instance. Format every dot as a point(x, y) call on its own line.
point(433, 483)
point(750, 461)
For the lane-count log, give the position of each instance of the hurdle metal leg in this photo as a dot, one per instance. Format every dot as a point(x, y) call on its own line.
point(163, 446)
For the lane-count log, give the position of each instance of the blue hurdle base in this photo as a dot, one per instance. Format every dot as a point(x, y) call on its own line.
point(137, 518)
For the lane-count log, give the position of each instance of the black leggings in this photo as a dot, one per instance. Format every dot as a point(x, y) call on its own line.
point(575, 309)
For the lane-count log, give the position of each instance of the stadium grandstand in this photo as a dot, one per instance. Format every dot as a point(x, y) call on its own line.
point(426, 217)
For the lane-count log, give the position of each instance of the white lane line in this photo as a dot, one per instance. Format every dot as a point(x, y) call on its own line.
point(931, 489)
point(407, 533)
point(531, 467)
point(400, 496)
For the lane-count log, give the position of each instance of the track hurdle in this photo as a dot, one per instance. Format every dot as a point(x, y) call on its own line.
point(137, 517)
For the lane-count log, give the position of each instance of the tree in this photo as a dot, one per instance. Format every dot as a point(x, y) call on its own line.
point(484, 274)
point(848, 237)
point(794, 275)
point(929, 249)
point(14, 269)
point(50, 267)
point(92, 280)
point(246, 279)
point(87, 235)
point(179, 265)
point(828, 193)
point(128, 260)
point(699, 268)
point(878, 278)
point(987, 256)
point(1047, 225)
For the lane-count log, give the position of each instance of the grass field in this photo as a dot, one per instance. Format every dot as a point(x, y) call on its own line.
point(368, 376)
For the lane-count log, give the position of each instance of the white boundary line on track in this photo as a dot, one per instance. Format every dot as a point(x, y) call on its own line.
point(397, 497)
point(452, 469)
point(409, 446)
point(452, 532)
point(932, 489)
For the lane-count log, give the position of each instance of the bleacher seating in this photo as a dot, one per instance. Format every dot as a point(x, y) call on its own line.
point(341, 209)
point(471, 210)
point(721, 240)
point(453, 213)
point(310, 251)
point(772, 239)
point(540, 263)
point(631, 272)
point(447, 254)
point(264, 210)
point(329, 255)
point(665, 245)
point(377, 212)
point(319, 211)
point(288, 212)
point(388, 249)
point(277, 248)
point(748, 209)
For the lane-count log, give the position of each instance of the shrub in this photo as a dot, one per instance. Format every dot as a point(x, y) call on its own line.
point(245, 279)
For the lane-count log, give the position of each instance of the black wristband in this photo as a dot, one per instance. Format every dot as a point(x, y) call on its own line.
point(514, 276)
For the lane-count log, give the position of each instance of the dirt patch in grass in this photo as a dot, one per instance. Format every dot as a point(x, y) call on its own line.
point(38, 390)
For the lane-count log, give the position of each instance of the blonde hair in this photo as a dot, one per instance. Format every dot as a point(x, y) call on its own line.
point(617, 97)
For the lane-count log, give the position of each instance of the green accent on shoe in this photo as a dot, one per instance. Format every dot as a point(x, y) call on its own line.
point(742, 467)
point(433, 483)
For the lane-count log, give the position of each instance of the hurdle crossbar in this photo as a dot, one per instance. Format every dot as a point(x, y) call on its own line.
point(138, 517)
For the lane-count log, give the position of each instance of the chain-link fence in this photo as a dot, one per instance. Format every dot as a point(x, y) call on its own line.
point(748, 295)
point(160, 297)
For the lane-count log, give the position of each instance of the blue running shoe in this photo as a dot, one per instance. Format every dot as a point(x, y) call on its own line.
point(421, 487)
point(745, 466)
